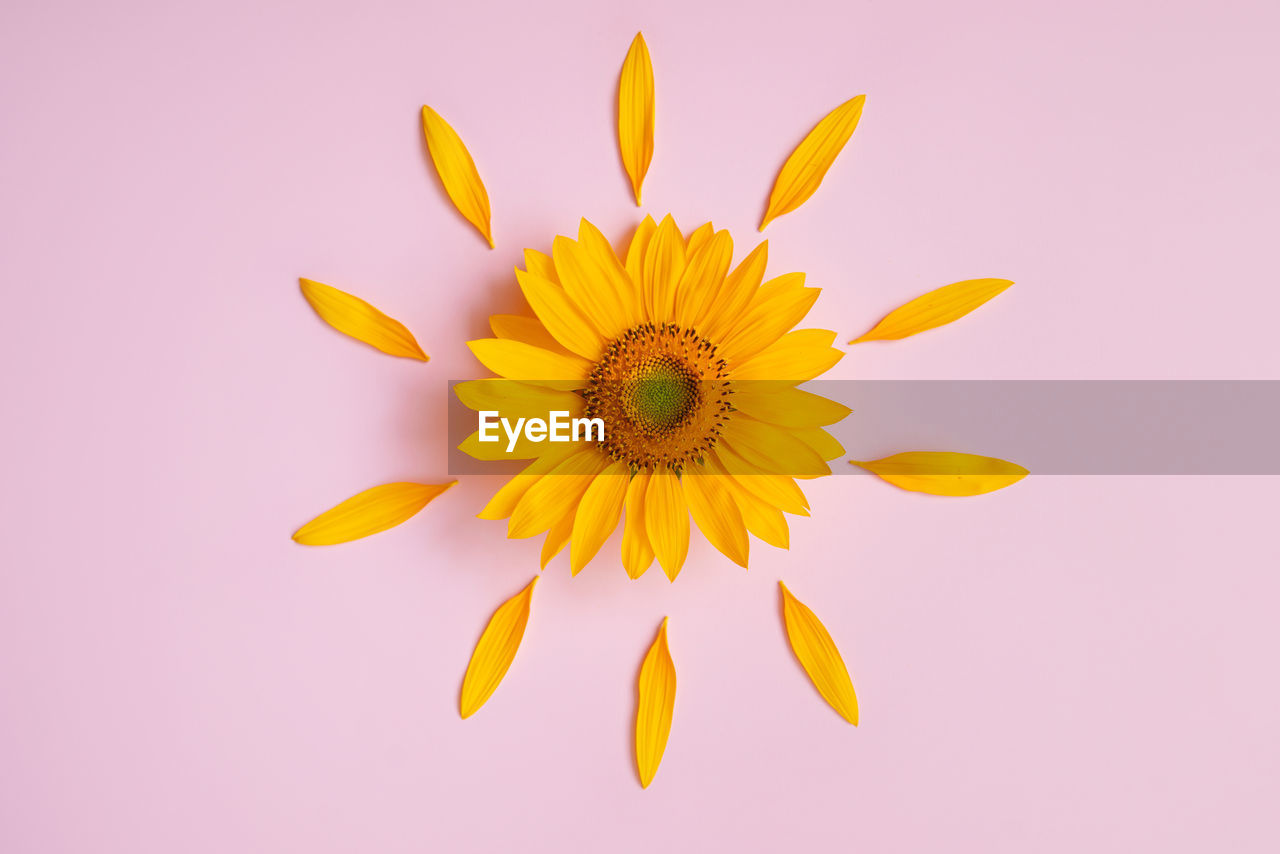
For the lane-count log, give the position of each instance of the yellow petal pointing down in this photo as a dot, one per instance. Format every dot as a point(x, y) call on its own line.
point(655, 702)
point(636, 113)
point(457, 172)
point(495, 650)
point(819, 656)
point(355, 317)
point(808, 164)
point(369, 512)
point(945, 473)
point(936, 308)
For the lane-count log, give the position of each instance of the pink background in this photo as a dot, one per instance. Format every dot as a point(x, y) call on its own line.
point(1073, 664)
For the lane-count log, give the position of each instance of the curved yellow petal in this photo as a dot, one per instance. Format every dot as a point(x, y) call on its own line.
point(936, 308)
point(517, 360)
point(597, 515)
point(637, 553)
point(760, 517)
point(736, 293)
point(589, 288)
point(808, 164)
point(663, 266)
point(655, 702)
point(457, 172)
point(819, 656)
point(557, 539)
point(716, 514)
point(540, 264)
point(506, 499)
point(636, 113)
point(600, 251)
point(775, 309)
point(772, 449)
point(527, 329)
point(703, 278)
point(371, 511)
point(666, 521)
point(637, 251)
point(355, 317)
point(796, 357)
point(945, 473)
point(515, 399)
point(560, 315)
point(786, 405)
point(822, 442)
point(495, 650)
point(556, 493)
point(778, 490)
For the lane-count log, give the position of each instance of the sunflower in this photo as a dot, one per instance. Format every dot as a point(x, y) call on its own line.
point(690, 367)
point(689, 372)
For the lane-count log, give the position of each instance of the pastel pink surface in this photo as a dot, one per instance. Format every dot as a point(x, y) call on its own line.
point(1072, 664)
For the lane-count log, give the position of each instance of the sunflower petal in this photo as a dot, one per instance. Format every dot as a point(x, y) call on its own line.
point(777, 306)
point(808, 164)
point(666, 521)
point(936, 308)
point(819, 656)
point(637, 553)
point(597, 515)
point(506, 499)
point(945, 473)
point(371, 511)
point(636, 113)
point(736, 293)
point(663, 266)
point(557, 539)
point(527, 329)
point(703, 278)
point(516, 360)
point(560, 315)
point(796, 357)
point(457, 172)
point(541, 264)
point(587, 286)
point(717, 515)
point(637, 251)
point(656, 699)
point(495, 650)
point(778, 490)
point(556, 494)
point(355, 317)
point(787, 405)
point(772, 449)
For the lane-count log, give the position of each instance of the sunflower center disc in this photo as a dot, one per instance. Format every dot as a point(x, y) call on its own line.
point(662, 394)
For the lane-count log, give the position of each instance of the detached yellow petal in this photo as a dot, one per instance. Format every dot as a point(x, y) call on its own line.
point(819, 656)
point(457, 172)
point(655, 703)
point(934, 309)
point(808, 164)
point(369, 512)
point(355, 317)
point(495, 650)
point(945, 473)
point(636, 113)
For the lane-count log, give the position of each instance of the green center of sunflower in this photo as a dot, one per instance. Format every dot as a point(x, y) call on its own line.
point(662, 394)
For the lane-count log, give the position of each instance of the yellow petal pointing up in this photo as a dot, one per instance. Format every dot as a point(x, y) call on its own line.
point(819, 656)
point(369, 512)
point(934, 309)
point(636, 113)
point(355, 317)
point(495, 650)
point(655, 703)
point(808, 164)
point(945, 473)
point(457, 172)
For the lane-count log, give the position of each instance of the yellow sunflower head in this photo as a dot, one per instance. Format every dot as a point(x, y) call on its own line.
point(687, 372)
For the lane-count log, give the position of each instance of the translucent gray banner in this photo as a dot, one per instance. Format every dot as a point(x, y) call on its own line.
point(1074, 427)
